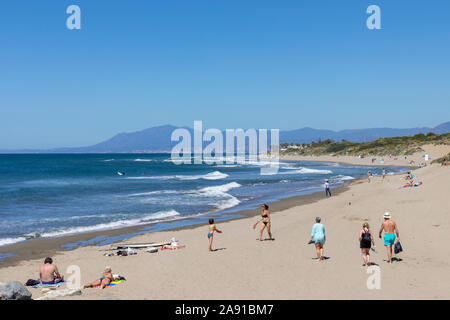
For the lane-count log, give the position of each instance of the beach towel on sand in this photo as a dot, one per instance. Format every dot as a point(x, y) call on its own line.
point(115, 282)
point(41, 285)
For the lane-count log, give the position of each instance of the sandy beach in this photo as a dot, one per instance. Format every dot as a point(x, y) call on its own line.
point(434, 152)
point(286, 268)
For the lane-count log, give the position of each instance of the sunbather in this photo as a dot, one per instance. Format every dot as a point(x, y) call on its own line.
point(103, 281)
point(49, 273)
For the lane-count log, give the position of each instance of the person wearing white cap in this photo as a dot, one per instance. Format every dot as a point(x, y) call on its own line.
point(327, 188)
point(390, 230)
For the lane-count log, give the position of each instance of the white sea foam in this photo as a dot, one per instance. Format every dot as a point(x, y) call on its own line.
point(227, 165)
point(311, 171)
point(215, 175)
point(219, 190)
point(228, 203)
point(144, 160)
point(7, 241)
point(225, 200)
point(154, 217)
point(151, 192)
point(345, 178)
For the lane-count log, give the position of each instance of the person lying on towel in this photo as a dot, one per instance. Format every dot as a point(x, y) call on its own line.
point(105, 279)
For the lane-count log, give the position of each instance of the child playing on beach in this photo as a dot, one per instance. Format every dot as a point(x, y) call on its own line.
point(212, 228)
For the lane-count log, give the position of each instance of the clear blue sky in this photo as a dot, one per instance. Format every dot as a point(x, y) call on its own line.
point(231, 63)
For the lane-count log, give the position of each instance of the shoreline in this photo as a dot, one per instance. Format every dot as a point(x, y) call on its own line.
point(242, 267)
point(40, 248)
point(37, 248)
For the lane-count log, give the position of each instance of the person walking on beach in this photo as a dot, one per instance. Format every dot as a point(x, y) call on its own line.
point(390, 230)
point(212, 227)
point(49, 273)
point(365, 243)
point(265, 218)
point(327, 188)
point(384, 173)
point(318, 237)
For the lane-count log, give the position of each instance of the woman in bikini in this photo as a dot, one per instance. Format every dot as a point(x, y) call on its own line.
point(103, 281)
point(265, 218)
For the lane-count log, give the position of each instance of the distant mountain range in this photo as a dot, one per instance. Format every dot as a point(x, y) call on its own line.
point(157, 139)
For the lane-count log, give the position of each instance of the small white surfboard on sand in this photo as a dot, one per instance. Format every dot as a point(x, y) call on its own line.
point(139, 245)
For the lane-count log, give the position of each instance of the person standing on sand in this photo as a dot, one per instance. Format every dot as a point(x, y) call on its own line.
point(369, 175)
point(318, 237)
point(327, 188)
point(49, 273)
point(390, 228)
point(384, 173)
point(265, 218)
point(212, 227)
point(365, 243)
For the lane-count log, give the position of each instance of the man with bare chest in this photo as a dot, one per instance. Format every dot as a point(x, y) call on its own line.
point(390, 230)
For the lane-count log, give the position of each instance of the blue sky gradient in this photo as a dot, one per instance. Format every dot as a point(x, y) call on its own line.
point(231, 63)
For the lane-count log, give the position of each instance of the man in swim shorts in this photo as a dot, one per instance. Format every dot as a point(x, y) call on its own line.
point(49, 273)
point(390, 228)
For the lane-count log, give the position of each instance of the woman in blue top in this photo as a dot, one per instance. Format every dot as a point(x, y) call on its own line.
point(318, 236)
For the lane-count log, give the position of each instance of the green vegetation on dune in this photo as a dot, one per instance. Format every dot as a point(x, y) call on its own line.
point(384, 146)
point(442, 159)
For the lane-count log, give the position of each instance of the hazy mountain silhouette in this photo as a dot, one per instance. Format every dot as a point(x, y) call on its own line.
point(158, 139)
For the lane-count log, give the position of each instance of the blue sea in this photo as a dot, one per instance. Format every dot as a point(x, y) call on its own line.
point(52, 195)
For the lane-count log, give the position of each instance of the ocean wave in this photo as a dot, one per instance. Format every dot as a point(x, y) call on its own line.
point(219, 190)
point(144, 160)
point(154, 217)
point(7, 241)
point(310, 171)
point(228, 203)
point(150, 193)
point(227, 165)
point(345, 178)
point(215, 175)
point(218, 194)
